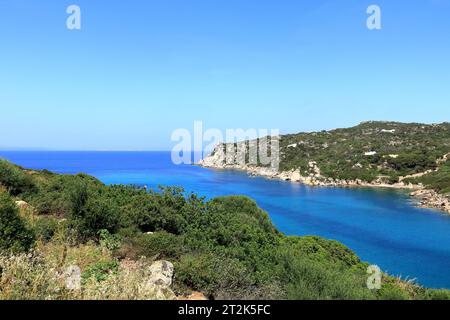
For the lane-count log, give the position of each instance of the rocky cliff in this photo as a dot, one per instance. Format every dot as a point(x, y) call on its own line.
point(372, 154)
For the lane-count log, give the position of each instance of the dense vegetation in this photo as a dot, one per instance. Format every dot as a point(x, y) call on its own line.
point(376, 150)
point(368, 151)
point(438, 180)
point(225, 247)
point(14, 234)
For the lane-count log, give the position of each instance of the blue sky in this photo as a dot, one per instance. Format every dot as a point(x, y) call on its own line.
point(137, 70)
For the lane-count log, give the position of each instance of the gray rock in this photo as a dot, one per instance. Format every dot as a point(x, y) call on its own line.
point(161, 273)
point(22, 204)
point(72, 277)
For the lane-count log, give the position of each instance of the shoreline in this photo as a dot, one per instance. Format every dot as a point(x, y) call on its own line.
point(425, 198)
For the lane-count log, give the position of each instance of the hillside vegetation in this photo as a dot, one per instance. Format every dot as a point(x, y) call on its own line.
point(226, 248)
point(369, 151)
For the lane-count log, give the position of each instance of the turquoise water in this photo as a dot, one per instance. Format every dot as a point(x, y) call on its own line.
point(381, 226)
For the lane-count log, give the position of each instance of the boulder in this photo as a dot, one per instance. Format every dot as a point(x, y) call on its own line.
point(72, 277)
point(22, 205)
point(295, 176)
point(161, 273)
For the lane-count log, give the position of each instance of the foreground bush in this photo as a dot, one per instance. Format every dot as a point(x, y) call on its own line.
point(161, 245)
point(15, 236)
point(45, 228)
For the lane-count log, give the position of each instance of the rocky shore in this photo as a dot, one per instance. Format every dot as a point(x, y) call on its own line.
point(431, 199)
point(425, 197)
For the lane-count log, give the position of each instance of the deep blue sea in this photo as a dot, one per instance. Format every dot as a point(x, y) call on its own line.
point(382, 226)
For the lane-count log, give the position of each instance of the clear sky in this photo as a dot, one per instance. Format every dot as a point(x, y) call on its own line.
point(137, 70)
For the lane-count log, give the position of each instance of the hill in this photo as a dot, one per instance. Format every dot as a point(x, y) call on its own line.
point(374, 153)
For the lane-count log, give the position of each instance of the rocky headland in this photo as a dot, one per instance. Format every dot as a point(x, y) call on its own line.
point(425, 197)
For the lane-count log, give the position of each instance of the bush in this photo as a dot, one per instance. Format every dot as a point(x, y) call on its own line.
point(91, 213)
point(53, 197)
point(45, 228)
point(162, 245)
point(109, 241)
point(393, 178)
point(100, 271)
point(154, 211)
point(321, 250)
point(436, 294)
point(14, 179)
point(412, 162)
point(311, 275)
point(438, 180)
point(15, 236)
point(390, 290)
point(217, 277)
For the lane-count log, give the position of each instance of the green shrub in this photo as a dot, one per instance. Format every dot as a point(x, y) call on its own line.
point(154, 211)
point(45, 228)
point(15, 236)
point(438, 180)
point(14, 179)
point(160, 244)
point(60, 195)
point(321, 250)
point(99, 271)
point(214, 275)
point(235, 227)
point(27, 276)
point(435, 294)
point(415, 161)
point(391, 291)
point(316, 268)
point(91, 213)
point(393, 178)
point(109, 241)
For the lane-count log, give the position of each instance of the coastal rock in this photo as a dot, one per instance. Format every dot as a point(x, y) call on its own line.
point(432, 199)
point(215, 160)
point(295, 176)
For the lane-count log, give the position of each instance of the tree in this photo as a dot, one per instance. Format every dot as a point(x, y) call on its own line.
point(15, 236)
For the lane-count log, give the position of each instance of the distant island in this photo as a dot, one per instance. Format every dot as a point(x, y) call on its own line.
point(372, 154)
